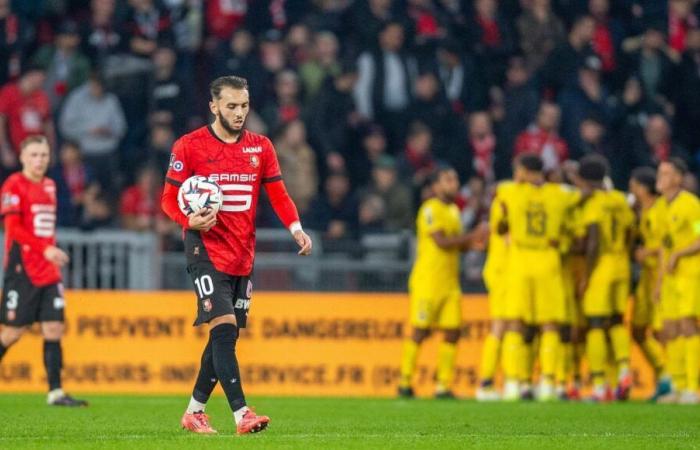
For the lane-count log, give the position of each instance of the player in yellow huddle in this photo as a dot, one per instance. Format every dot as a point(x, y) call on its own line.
point(434, 284)
point(646, 320)
point(608, 221)
point(680, 288)
point(534, 213)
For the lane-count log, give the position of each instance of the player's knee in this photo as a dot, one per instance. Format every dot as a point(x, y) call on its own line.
point(420, 334)
point(514, 325)
point(565, 334)
point(451, 336)
point(10, 335)
point(498, 328)
point(597, 322)
point(52, 331)
point(224, 333)
point(616, 319)
point(530, 334)
point(639, 335)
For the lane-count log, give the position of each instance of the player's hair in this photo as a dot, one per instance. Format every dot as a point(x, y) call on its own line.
point(231, 81)
point(435, 174)
point(593, 168)
point(678, 165)
point(33, 139)
point(531, 162)
point(646, 176)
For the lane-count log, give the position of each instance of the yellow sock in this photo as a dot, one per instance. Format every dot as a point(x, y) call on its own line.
point(620, 340)
point(490, 354)
point(653, 352)
point(446, 365)
point(549, 353)
point(512, 351)
point(597, 349)
point(692, 361)
point(408, 362)
point(564, 362)
point(675, 350)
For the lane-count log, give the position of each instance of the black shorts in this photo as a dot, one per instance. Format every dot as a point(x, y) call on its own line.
point(218, 293)
point(23, 303)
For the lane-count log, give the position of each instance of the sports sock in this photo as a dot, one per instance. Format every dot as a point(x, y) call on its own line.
point(206, 378)
point(676, 362)
point(564, 363)
point(490, 354)
point(692, 362)
point(549, 353)
point(239, 413)
point(3, 350)
point(223, 345)
point(446, 365)
point(620, 341)
point(195, 406)
point(512, 351)
point(408, 362)
point(653, 352)
point(53, 361)
point(597, 349)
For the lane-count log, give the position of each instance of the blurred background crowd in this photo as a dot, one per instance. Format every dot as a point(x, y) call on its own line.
point(361, 98)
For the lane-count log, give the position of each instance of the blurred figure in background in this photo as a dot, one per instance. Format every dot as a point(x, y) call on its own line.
point(298, 163)
point(139, 205)
point(72, 177)
point(397, 198)
point(542, 137)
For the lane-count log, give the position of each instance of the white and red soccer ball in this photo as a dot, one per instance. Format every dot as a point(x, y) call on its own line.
point(199, 192)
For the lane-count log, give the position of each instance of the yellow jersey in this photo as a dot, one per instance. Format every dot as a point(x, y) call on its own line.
point(610, 211)
point(536, 214)
point(435, 266)
point(681, 227)
point(650, 231)
point(497, 253)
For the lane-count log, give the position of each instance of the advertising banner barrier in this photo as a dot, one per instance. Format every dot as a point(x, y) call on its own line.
point(296, 344)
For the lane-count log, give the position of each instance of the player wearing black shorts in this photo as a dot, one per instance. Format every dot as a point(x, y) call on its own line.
point(32, 290)
point(219, 247)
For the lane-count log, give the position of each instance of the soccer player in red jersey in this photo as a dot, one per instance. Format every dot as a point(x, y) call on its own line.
point(32, 289)
point(219, 247)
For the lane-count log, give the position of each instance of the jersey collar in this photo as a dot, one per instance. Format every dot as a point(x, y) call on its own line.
point(211, 131)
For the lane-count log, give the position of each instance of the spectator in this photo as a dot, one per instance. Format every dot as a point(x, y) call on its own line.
point(491, 39)
point(99, 32)
point(460, 78)
point(72, 177)
point(238, 55)
point(417, 162)
point(147, 26)
point(366, 20)
point(97, 211)
point(170, 97)
point(224, 17)
point(66, 67)
point(383, 90)
point(323, 63)
point(286, 105)
point(687, 98)
point(473, 202)
point(681, 20)
point(94, 118)
point(373, 146)
point(24, 110)
point(656, 145)
point(333, 117)
point(541, 31)
point(298, 44)
point(542, 137)
point(273, 59)
point(334, 212)
point(563, 62)
point(396, 198)
point(587, 96)
point(160, 143)
point(298, 164)
point(607, 37)
point(15, 37)
point(139, 205)
point(371, 214)
point(482, 146)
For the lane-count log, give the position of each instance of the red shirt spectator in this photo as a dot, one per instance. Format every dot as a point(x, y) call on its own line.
point(140, 203)
point(225, 16)
point(542, 138)
point(680, 20)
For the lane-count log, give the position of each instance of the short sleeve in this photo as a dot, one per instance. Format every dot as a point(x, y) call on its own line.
point(178, 167)
point(694, 216)
point(591, 213)
point(10, 198)
point(271, 167)
point(430, 219)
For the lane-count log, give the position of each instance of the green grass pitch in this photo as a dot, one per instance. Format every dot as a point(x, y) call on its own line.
point(132, 422)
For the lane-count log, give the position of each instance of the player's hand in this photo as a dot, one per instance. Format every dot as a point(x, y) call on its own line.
point(202, 220)
point(304, 242)
point(56, 256)
point(672, 262)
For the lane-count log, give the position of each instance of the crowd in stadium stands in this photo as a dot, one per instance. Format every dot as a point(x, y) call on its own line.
point(361, 98)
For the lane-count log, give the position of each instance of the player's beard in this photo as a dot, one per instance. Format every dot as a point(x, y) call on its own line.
point(230, 129)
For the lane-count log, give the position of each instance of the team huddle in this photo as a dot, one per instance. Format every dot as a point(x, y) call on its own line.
point(559, 273)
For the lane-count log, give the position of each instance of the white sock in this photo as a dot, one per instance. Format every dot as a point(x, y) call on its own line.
point(239, 413)
point(195, 406)
point(54, 395)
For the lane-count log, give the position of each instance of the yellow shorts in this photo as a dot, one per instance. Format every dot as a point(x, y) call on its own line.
point(608, 290)
point(428, 310)
point(680, 297)
point(535, 291)
point(645, 313)
point(497, 284)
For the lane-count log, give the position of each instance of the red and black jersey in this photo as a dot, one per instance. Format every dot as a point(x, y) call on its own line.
point(239, 168)
point(29, 209)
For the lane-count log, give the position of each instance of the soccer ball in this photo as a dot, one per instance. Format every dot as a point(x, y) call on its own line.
point(199, 192)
